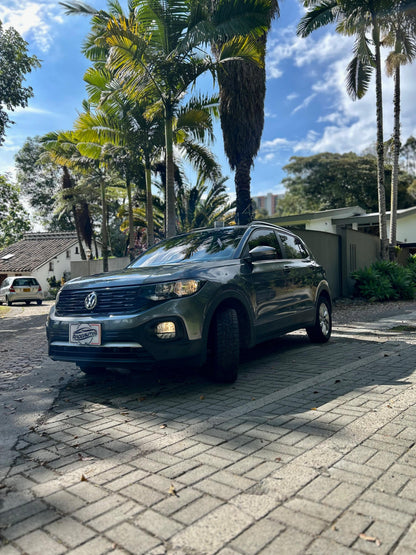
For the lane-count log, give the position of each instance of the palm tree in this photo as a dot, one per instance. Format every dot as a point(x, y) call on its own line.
point(199, 206)
point(153, 52)
point(63, 149)
point(242, 92)
point(403, 39)
point(364, 19)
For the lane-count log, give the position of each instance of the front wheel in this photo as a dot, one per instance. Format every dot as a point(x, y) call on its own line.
point(320, 332)
point(225, 346)
point(38, 303)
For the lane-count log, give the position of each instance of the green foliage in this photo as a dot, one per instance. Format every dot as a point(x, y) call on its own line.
point(330, 180)
point(385, 281)
point(14, 64)
point(14, 220)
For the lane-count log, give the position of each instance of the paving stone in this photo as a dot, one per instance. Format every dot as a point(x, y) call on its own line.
point(142, 494)
point(252, 540)
point(30, 524)
point(346, 529)
point(121, 513)
point(304, 523)
point(289, 542)
point(158, 525)
point(227, 521)
point(132, 538)
point(40, 543)
point(69, 531)
point(93, 510)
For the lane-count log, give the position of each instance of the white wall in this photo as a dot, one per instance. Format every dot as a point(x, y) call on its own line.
point(406, 229)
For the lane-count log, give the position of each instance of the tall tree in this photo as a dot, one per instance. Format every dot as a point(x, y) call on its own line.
point(14, 219)
point(242, 93)
point(330, 180)
point(365, 20)
point(39, 179)
point(402, 37)
point(15, 63)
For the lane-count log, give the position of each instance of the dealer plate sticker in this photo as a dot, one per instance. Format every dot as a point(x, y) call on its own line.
point(85, 334)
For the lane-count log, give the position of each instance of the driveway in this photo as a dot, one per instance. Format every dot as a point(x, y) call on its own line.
point(312, 450)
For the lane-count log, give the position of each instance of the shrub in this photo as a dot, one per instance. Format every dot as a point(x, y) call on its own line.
point(384, 281)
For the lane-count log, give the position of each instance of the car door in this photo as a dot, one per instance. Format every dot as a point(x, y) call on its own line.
point(300, 276)
point(267, 284)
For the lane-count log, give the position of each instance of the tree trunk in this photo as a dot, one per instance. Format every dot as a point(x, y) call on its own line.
point(131, 220)
point(380, 148)
point(81, 246)
point(170, 223)
point(396, 152)
point(242, 187)
point(149, 206)
point(104, 231)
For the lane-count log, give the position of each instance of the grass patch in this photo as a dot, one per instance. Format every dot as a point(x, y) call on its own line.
point(3, 311)
point(404, 328)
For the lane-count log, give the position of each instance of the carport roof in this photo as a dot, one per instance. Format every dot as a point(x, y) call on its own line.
point(35, 250)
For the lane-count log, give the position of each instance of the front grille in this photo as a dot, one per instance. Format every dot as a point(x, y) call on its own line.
point(111, 300)
point(111, 355)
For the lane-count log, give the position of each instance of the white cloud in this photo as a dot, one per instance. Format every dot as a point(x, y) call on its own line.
point(305, 103)
point(284, 45)
point(275, 143)
point(33, 20)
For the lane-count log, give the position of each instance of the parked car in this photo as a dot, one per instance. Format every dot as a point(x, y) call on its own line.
point(198, 297)
point(20, 288)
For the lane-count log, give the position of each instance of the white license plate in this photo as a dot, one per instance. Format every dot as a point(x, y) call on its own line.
point(85, 334)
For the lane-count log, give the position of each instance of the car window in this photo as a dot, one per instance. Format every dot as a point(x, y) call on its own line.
point(25, 282)
point(293, 246)
point(219, 244)
point(263, 238)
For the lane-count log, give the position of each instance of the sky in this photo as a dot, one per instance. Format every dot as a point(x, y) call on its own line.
point(307, 109)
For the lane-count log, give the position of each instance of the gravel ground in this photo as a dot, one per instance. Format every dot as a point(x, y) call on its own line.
point(358, 310)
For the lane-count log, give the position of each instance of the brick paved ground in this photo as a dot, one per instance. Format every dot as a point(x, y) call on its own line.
point(312, 450)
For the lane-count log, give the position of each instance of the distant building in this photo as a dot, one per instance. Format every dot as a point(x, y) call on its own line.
point(43, 255)
point(267, 202)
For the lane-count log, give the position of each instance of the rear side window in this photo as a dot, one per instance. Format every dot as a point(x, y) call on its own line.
point(293, 246)
point(264, 238)
point(25, 282)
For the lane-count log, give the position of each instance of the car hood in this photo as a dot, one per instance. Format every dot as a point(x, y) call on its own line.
point(153, 274)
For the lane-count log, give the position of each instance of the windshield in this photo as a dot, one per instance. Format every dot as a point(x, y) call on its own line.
point(218, 244)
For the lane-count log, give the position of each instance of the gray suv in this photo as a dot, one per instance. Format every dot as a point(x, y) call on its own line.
point(198, 297)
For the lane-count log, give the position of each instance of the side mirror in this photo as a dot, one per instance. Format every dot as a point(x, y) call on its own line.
point(262, 253)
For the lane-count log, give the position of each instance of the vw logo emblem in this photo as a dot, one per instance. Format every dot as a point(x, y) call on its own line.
point(90, 301)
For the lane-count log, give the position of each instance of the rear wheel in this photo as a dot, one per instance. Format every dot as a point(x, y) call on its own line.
point(38, 303)
point(320, 332)
point(27, 303)
point(9, 303)
point(91, 370)
point(225, 346)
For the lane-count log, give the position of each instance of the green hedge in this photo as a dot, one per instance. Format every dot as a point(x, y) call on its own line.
point(386, 281)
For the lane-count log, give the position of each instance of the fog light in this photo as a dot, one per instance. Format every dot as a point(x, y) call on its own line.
point(166, 330)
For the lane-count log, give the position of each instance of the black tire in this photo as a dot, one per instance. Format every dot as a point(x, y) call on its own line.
point(9, 303)
point(38, 303)
point(225, 346)
point(91, 370)
point(320, 332)
point(27, 303)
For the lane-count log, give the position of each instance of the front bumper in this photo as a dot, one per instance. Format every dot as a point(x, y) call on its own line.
point(130, 339)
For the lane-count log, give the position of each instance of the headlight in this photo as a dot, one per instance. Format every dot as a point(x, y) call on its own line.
point(172, 289)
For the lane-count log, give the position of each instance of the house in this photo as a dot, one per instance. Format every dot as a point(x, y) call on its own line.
point(43, 255)
point(331, 221)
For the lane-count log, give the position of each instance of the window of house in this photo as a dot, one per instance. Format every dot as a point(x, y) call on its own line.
point(51, 266)
point(68, 253)
point(76, 250)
